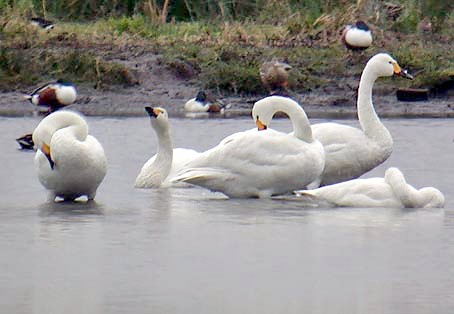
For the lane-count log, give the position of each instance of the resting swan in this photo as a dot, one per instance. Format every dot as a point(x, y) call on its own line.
point(351, 152)
point(167, 162)
point(69, 162)
point(390, 191)
point(260, 163)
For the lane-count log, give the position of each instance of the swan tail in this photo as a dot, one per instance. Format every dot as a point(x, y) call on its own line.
point(202, 176)
point(302, 193)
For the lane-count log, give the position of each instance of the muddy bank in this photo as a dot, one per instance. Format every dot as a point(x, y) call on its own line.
point(156, 85)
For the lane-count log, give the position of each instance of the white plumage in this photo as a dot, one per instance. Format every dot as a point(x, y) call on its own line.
point(391, 191)
point(69, 162)
point(260, 163)
point(162, 166)
point(349, 151)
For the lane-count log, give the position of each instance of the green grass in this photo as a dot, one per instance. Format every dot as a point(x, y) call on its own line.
point(225, 55)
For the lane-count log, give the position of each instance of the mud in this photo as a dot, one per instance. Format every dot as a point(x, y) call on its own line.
point(156, 85)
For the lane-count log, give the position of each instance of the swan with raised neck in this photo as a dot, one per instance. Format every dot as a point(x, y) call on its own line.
point(158, 170)
point(351, 152)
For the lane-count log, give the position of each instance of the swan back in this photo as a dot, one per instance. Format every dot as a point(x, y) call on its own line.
point(264, 110)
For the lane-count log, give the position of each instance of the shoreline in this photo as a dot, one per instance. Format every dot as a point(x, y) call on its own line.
point(130, 103)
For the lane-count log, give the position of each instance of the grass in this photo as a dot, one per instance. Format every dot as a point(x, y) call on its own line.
point(224, 55)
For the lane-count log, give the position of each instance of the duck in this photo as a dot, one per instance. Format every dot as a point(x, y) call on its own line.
point(260, 162)
point(274, 76)
point(162, 166)
point(201, 103)
point(54, 95)
point(357, 36)
point(43, 23)
point(69, 162)
point(349, 151)
point(392, 191)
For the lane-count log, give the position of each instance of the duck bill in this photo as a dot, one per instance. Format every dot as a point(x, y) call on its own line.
point(46, 151)
point(260, 125)
point(398, 71)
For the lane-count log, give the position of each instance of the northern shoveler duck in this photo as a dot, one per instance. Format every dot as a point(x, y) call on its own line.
point(357, 36)
point(40, 22)
point(54, 95)
point(25, 141)
point(201, 103)
point(274, 76)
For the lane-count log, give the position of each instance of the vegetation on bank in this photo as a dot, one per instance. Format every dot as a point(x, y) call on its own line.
point(222, 43)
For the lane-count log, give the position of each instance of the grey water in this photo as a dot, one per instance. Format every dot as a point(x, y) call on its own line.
point(194, 251)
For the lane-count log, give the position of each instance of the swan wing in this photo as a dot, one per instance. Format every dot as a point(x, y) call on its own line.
point(256, 163)
point(349, 153)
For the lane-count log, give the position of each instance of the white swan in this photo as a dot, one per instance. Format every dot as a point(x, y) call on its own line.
point(167, 162)
point(351, 152)
point(69, 162)
point(260, 163)
point(390, 191)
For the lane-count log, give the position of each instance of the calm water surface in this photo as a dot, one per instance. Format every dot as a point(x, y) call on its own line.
point(193, 251)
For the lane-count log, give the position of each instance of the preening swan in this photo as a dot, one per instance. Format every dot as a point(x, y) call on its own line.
point(167, 162)
point(69, 162)
point(390, 191)
point(260, 163)
point(351, 152)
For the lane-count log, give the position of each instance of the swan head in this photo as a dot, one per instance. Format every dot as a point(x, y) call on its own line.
point(43, 133)
point(159, 118)
point(264, 109)
point(383, 64)
point(432, 198)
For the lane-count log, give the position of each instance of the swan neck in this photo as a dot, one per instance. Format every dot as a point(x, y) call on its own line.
point(301, 125)
point(164, 155)
point(368, 118)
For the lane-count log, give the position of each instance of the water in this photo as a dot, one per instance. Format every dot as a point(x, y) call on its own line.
point(193, 251)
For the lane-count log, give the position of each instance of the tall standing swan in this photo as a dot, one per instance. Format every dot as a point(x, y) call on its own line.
point(351, 152)
point(69, 162)
point(167, 161)
point(260, 163)
point(390, 191)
